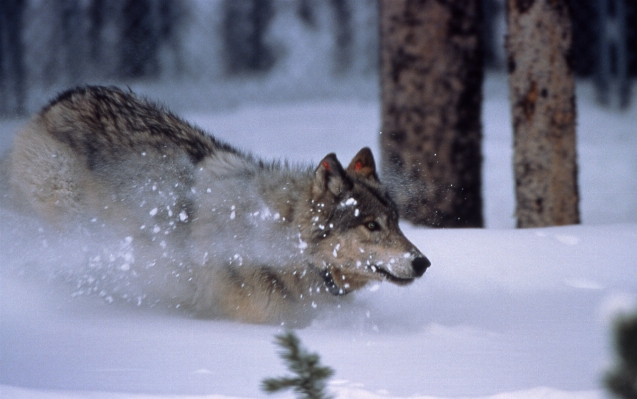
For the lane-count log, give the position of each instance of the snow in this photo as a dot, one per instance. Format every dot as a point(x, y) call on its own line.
point(501, 313)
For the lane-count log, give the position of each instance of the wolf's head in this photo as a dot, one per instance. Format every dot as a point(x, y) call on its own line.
point(353, 228)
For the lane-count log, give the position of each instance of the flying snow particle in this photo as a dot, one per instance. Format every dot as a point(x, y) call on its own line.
point(348, 202)
point(153, 212)
point(302, 244)
point(356, 212)
point(94, 262)
point(266, 213)
point(183, 216)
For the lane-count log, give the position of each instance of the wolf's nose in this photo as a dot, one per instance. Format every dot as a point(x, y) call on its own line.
point(420, 264)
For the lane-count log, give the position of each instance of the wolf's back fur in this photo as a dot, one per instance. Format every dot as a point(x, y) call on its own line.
point(260, 241)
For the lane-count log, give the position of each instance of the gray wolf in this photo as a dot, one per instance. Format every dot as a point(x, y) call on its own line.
point(257, 241)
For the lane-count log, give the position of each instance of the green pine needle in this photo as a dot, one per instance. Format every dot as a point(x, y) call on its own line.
point(622, 380)
point(310, 376)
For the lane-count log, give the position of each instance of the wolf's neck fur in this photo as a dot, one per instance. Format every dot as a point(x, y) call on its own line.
point(259, 211)
point(256, 207)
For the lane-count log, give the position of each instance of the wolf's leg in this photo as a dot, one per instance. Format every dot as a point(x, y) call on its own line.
point(248, 294)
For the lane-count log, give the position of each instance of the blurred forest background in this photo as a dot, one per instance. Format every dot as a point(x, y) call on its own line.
point(272, 49)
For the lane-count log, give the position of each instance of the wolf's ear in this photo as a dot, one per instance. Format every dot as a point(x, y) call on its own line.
point(363, 165)
point(330, 176)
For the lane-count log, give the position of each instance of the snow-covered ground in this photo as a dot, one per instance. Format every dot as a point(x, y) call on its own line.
point(502, 313)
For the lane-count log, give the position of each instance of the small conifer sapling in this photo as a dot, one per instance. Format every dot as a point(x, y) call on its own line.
point(622, 380)
point(309, 378)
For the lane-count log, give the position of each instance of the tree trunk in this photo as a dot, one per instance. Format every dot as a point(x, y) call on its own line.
point(139, 45)
point(431, 81)
point(343, 35)
point(543, 105)
point(96, 11)
point(245, 26)
point(72, 41)
point(12, 68)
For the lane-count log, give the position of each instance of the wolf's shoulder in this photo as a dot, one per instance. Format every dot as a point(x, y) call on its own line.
point(110, 116)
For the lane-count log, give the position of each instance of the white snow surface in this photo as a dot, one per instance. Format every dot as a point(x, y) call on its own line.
point(501, 313)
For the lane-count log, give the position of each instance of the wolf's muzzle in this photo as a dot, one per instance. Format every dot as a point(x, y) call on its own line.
point(420, 264)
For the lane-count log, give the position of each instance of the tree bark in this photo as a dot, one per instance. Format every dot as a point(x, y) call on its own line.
point(245, 26)
point(343, 35)
point(431, 82)
point(542, 97)
point(139, 45)
point(12, 68)
point(72, 41)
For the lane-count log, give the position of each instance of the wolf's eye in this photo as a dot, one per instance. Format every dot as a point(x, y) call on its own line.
point(372, 226)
